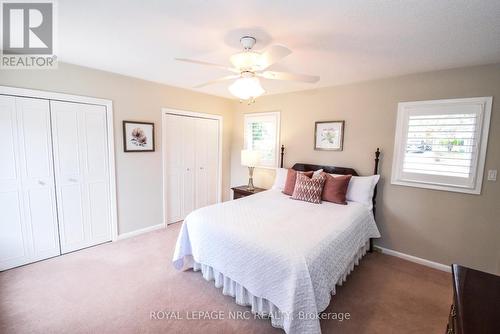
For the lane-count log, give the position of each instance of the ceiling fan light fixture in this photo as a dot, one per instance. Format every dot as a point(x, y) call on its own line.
point(245, 60)
point(246, 88)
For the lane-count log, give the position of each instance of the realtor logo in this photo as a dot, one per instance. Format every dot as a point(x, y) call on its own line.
point(28, 35)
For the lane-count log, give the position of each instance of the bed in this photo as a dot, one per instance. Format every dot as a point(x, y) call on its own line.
point(281, 257)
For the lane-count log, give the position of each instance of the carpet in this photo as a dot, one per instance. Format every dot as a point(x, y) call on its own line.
point(130, 286)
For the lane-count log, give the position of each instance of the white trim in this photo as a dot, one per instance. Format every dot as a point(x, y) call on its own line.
point(400, 142)
point(140, 231)
point(180, 112)
point(108, 104)
point(42, 94)
point(276, 114)
point(414, 259)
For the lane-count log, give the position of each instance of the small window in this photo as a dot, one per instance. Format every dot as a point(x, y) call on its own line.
point(442, 144)
point(262, 135)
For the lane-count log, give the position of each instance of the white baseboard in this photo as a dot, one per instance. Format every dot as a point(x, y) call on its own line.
point(415, 259)
point(140, 231)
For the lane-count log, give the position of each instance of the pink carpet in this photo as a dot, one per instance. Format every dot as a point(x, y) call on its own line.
point(113, 288)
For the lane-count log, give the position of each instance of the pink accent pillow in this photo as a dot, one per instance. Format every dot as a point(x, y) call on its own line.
point(291, 177)
point(309, 189)
point(335, 188)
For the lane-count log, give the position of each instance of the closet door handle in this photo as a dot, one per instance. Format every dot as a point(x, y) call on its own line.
point(40, 182)
point(188, 169)
point(72, 180)
point(201, 168)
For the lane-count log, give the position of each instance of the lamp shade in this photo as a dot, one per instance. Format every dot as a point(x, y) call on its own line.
point(249, 158)
point(246, 88)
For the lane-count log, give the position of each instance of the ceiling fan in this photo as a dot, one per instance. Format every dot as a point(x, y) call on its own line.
point(248, 66)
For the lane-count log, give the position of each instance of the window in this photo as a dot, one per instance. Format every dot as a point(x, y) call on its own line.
point(442, 144)
point(262, 134)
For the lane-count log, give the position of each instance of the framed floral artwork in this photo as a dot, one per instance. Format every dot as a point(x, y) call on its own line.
point(329, 136)
point(138, 136)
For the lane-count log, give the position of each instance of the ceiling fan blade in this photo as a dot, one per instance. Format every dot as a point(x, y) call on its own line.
point(228, 77)
point(288, 76)
point(272, 55)
point(199, 62)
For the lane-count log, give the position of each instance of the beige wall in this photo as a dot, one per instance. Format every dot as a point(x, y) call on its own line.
point(439, 226)
point(139, 175)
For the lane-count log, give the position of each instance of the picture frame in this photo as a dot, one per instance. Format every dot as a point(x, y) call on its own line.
point(329, 135)
point(138, 136)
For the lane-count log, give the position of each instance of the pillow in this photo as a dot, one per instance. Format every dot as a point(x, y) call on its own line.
point(290, 180)
point(335, 188)
point(361, 189)
point(317, 172)
point(308, 189)
point(280, 178)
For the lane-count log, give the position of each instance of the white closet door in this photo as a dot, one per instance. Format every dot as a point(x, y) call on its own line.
point(174, 168)
point(191, 164)
point(207, 155)
point(188, 144)
point(202, 157)
point(28, 229)
point(212, 166)
point(82, 176)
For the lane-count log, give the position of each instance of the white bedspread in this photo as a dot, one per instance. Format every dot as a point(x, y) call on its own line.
point(289, 252)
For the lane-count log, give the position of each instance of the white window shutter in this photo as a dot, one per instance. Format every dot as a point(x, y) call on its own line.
point(262, 135)
point(442, 144)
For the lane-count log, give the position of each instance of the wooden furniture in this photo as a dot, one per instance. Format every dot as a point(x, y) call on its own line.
point(476, 302)
point(191, 165)
point(302, 167)
point(242, 191)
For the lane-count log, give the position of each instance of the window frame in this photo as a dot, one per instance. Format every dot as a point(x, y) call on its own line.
point(433, 181)
point(277, 115)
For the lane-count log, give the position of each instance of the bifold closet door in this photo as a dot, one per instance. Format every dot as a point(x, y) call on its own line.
point(28, 220)
point(191, 163)
point(82, 174)
point(207, 157)
point(180, 139)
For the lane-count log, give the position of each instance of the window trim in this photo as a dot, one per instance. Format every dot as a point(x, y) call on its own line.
point(400, 140)
point(276, 114)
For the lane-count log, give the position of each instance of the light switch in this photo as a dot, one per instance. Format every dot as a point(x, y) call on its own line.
point(492, 175)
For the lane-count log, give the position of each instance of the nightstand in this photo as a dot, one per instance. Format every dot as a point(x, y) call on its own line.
point(242, 191)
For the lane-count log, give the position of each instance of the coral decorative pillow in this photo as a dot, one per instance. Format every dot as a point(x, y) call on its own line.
point(335, 188)
point(309, 189)
point(291, 177)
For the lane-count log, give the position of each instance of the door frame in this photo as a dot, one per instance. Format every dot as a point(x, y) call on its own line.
point(187, 113)
point(108, 104)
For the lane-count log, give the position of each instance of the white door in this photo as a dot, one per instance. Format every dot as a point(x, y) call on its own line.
point(174, 168)
point(191, 164)
point(180, 163)
point(28, 228)
point(82, 175)
point(188, 145)
point(207, 156)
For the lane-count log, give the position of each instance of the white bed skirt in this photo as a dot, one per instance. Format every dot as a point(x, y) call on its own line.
point(260, 306)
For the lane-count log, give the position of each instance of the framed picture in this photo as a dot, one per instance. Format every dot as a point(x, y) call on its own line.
point(329, 135)
point(138, 136)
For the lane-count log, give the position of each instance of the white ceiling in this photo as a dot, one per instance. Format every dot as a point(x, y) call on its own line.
point(343, 41)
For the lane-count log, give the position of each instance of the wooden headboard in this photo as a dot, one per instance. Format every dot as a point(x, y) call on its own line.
point(301, 167)
point(304, 167)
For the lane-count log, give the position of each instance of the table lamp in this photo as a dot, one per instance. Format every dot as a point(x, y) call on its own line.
point(250, 159)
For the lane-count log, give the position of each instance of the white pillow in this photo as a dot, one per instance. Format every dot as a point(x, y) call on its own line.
point(280, 179)
point(317, 172)
point(361, 189)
